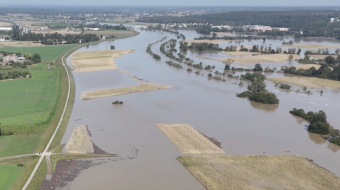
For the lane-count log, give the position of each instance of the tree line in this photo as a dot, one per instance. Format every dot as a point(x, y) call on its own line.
point(53, 38)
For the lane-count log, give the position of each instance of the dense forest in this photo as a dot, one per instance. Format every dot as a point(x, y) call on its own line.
point(312, 23)
point(53, 38)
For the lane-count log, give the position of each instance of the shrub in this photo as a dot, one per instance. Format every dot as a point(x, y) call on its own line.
point(285, 86)
point(319, 127)
point(244, 94)
point(117, 102)
point(264, 97)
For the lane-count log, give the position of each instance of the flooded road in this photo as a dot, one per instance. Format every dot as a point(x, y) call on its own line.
point(149, 158)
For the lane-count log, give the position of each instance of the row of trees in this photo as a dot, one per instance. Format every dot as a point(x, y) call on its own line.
point(53, 38)
point(15, 75)
point(323, 72)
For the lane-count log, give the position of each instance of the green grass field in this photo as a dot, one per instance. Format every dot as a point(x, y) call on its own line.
point(47, 53)
point(30, 101)
point(8, 175)
point(18, 145)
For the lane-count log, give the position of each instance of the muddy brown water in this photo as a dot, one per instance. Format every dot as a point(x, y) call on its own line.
point(243, 127)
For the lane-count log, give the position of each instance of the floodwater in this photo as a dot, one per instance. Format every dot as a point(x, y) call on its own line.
point(243, 127)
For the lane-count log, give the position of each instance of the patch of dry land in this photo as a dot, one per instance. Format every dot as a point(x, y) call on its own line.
point(20, 44)
point(87, 61)
point(259, 172)
point(80, 141)
point(5, 23)
point(121, 91)
point(311, 46)
point(275, 58)
point(317, 57)
point(309, 82)
point(188, 140)
point(213, 41)
point(63, 31)
point(240, 53)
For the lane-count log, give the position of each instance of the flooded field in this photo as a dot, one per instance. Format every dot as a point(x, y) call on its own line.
point(243, 127)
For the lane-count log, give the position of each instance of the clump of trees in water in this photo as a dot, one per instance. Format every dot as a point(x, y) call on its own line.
point(203, 46)
point(257, 89)
point(323, 72)
point(117, 102)
point(285, 86)
point(319, 124)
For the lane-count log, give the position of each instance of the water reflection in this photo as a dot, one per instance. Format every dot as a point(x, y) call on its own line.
point(333, 147)
point(264, 107)
point(316, 138)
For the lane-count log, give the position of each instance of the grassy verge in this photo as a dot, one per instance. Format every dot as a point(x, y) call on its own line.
point(39, 176)
point(29, 163)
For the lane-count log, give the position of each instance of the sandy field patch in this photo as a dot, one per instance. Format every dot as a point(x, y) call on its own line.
point(29, 22)
point(188, 140)
point(5, 23)
point(87, 61)
point(63, 31)
point(80, 141)
point(307, 66)
point(317, 57)
point(259, 172)
point(240, 53)
point(311, 46)
point(212, 41)
point(20, 44)
point(267, 58)
point(121, 91)
point(309, 82)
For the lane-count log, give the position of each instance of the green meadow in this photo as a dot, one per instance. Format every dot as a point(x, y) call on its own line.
point(18, 145)
point(47, 53)
point(8, 175)
point(30, 101)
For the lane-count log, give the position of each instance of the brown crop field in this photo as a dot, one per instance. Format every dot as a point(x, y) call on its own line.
point(80, 141)
point(121, 91)
point(275, 58)
point(87, 61)
point(309, 82)
point(6, 24)
point(63, 31)
point(259, 172)
point(188, 140)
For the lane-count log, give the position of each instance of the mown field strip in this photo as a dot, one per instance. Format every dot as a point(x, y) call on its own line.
point(121, 91)
point(259, 172)
point(188, 140)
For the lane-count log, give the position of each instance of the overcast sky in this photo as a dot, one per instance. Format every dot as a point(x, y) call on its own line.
point(181, 2)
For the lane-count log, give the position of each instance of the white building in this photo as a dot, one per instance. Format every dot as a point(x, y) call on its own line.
point(5, 28)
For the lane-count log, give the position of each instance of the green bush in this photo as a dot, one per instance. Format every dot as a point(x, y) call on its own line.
point(264, 97)
point(244, 94)
point(319, 127)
